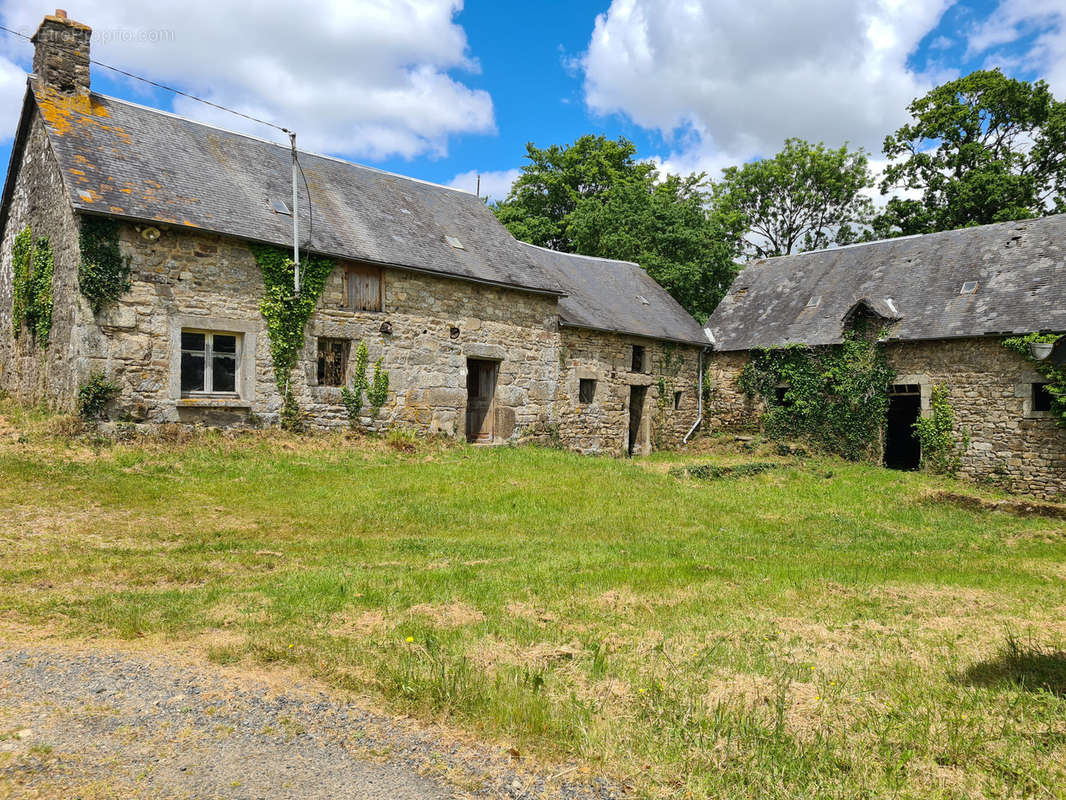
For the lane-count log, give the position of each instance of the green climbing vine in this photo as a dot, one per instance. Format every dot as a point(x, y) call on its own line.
point(834, 395)
point(103, 275)
point(33, 267)
point(941, 451)
point(376, 388)
point(287, 314)
point(1055, 375)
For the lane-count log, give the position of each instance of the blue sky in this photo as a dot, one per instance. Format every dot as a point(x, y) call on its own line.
point(443, 91)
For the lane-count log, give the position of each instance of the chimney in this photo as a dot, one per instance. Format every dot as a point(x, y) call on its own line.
point(61, 55)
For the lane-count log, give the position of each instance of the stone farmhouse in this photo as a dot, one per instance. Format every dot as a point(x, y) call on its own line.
point(943, 303)
point(483, 337)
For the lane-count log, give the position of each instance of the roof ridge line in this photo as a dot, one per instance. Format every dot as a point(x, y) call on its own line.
point(579, 255)
point(855, 245)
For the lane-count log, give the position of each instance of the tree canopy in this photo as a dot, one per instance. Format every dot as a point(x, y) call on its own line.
point(593, 197)
point(806, 197)
point(984, 148)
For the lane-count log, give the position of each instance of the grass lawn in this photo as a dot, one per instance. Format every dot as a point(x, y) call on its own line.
point(820, 629)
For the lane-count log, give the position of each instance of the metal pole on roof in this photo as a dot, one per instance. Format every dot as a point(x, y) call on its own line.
point(295, 219)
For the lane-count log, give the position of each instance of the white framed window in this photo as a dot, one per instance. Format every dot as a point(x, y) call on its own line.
point(210, 363)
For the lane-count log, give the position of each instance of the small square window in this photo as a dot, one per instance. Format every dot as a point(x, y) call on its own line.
point(586, 390)
point(332, 361)
point(677, 400)
point(1041, 397)
point(209, 362)
point(362, 288)
point(638, 358)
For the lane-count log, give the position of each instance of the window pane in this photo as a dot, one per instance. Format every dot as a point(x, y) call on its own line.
point(224, 344)
point(192, 341)
point(224, 374)
point(332, 361)
point(192, 372)
point(1041, 397)
point(586, 390)
point(638, 358)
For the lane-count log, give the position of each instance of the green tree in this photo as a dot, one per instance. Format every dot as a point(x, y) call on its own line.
point(984, 148)
point(806, 197)
point(594, 198)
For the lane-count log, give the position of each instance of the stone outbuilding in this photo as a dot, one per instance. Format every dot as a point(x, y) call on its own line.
point(483, 337)
point(943, 304)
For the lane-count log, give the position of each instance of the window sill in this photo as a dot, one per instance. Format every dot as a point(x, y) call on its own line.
point(212, 402)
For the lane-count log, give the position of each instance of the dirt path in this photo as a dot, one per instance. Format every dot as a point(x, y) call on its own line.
point(93, 724)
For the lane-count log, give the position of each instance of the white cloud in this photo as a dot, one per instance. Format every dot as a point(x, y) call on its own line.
point(370, 78)
point(495, 185)
point(734, 78)
point(1013, 20)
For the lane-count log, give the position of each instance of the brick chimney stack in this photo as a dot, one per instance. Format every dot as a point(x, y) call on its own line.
point(61, 54)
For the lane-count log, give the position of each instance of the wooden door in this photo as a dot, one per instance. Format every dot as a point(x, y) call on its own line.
point(480, 395)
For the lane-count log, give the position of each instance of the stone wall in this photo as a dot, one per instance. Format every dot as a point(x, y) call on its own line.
point(39, 200)
point(602, 426)
point(989, 388)
point(185, 279)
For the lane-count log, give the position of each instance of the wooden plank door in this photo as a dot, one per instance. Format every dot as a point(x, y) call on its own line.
point(480, 397)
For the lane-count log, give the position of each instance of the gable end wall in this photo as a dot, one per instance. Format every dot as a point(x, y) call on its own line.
point(39, 200)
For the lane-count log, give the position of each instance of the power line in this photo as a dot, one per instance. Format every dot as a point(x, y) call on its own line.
point(167, 88)
point(307, 189)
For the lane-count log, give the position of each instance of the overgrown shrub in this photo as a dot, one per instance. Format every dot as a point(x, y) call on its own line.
point(377, 388)
point(941, 451)
point(834, 396)
point(95, 394)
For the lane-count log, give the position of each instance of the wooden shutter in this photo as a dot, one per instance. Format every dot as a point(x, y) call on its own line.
point(364, 288)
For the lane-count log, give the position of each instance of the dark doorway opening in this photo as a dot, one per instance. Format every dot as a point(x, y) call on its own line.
point(902, 449)
point(636, 414)
point(480, 397)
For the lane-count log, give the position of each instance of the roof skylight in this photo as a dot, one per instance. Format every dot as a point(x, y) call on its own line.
point(280, 207)
point(970, 287)
point(815, 301)
point(454, 242)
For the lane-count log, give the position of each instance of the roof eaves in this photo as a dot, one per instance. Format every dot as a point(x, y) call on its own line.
point(655, 338)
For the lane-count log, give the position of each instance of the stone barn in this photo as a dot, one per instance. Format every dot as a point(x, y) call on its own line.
point(943, 304)
point(482, 337)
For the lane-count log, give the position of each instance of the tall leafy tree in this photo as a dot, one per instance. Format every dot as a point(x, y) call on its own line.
point(595, 198)
point(806, 197)
point(984, 148)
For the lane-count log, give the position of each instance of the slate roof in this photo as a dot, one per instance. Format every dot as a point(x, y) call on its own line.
point(1019, 267)
point(129, 161)
point(618, 296)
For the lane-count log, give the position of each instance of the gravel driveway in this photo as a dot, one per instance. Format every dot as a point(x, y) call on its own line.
point(97, 724)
